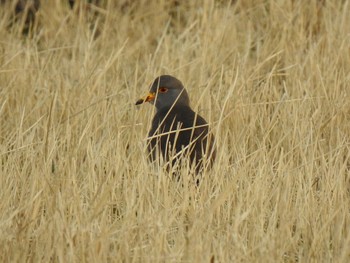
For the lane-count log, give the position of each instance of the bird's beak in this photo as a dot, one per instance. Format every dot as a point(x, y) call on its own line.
point(149, 98)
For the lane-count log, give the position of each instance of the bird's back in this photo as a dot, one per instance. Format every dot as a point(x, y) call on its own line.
point(179, 131)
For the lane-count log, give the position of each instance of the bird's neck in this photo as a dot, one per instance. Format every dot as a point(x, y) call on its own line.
point(174, 108)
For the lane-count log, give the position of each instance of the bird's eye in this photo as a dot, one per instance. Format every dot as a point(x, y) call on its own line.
point(163, 90)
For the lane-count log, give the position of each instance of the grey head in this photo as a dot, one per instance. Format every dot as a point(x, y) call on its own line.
point(166, 91)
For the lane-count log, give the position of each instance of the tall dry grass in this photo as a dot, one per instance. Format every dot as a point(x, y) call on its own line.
point(271, 77)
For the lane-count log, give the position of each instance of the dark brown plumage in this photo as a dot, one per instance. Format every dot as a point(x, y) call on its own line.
point(177, 131)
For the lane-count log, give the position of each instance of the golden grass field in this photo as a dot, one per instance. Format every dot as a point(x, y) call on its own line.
point(271, 77)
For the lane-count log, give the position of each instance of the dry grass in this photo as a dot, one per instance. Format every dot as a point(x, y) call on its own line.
point(273, 79)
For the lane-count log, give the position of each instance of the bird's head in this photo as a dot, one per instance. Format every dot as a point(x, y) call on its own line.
point(166, 91)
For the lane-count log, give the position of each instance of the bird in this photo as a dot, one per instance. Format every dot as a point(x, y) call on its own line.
point(177, 132)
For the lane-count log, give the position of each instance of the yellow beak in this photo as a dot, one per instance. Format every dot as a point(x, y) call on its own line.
point(150, 97)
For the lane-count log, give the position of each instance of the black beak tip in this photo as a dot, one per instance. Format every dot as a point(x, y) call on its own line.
point(140, 101)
